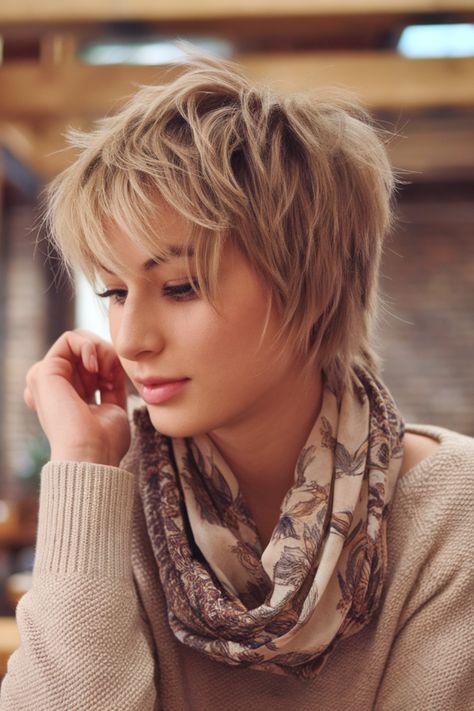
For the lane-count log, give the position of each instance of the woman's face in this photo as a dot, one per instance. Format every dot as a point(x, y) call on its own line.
point(199, 368)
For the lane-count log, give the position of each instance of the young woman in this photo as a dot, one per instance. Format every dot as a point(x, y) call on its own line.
point(265, 532)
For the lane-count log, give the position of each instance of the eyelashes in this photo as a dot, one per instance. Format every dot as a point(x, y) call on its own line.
point(177, 292)
point(118, 296)
point(181, 292)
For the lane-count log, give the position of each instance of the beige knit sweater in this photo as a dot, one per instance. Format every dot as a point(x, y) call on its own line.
point(94, 628)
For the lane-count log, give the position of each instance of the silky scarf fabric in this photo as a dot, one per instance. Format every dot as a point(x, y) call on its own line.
point(319, 579)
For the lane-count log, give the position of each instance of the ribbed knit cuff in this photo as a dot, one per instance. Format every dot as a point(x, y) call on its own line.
point(85, 520)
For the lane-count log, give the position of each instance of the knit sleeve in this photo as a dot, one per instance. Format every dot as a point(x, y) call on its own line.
point(431, 662)
point(83, 641)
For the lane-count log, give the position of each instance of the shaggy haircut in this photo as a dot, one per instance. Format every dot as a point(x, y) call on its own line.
point(300, 184)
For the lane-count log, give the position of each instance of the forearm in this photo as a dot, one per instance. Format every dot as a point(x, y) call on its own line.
point(82, 640)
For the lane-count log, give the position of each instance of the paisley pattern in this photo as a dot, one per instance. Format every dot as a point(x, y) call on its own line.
point(319, 579)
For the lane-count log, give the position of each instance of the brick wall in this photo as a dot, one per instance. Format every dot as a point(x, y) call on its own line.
point(427, 328)
point(25, 320)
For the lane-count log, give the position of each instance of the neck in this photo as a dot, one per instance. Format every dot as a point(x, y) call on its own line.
point(262, 451)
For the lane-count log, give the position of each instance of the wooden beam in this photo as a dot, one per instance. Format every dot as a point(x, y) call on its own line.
point(31, 11)
point(42, 148)
point(380, 80)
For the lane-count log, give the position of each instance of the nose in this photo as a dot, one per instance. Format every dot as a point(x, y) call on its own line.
point(136, 331)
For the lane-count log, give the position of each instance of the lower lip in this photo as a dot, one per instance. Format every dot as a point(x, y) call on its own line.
point(156, 394)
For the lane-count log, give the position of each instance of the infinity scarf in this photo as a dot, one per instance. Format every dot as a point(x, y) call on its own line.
point(282, 609)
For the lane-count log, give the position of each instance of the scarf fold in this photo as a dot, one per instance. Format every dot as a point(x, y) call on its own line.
point(319, 579)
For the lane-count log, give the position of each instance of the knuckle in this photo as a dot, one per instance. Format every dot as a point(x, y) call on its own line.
point(31, 374)
point(83, 332)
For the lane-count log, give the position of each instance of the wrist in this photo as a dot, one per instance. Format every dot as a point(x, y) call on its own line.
point(83, 454)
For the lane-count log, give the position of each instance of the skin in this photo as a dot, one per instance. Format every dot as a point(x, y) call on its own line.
point(250, 398)
point(417, 448)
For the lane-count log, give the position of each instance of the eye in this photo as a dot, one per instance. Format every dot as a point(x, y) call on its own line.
point(181, 292)
point(117, 296)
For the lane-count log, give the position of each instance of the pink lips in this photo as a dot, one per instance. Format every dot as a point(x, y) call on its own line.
point(155, 392)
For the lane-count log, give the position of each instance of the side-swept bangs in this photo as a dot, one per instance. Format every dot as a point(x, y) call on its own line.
point(301, 184)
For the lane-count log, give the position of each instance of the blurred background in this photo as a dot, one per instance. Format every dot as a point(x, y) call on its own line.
point(411, 62)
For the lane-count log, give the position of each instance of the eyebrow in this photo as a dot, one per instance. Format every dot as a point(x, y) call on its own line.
point(174, 251)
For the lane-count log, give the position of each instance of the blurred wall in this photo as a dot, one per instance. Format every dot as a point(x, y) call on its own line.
point(427, 324)
point(427, 277)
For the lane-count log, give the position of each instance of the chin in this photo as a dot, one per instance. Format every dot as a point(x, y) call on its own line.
point(175, 425)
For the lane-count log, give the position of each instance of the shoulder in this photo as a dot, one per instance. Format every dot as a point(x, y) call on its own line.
point(433, 501)
point(436, 452)
point(428, 605)
point(416, 449)
point(431, 524)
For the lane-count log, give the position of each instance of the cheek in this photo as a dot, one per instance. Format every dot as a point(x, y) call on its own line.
point(113, 325)
point(227, 343)
point(114, 319)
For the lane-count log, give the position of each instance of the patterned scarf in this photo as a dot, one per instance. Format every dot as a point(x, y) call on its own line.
point(319, 579)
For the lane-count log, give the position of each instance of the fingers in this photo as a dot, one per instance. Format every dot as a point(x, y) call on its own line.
point(96, 355)
point(61, 389)
point(87, 362)
point(114, 390)
point(28, 396)
point(86, 347)
point(88, 355)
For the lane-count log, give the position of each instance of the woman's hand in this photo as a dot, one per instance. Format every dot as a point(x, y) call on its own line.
point(61, 388)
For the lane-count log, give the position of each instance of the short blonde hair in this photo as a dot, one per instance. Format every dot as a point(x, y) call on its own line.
point(300, 183)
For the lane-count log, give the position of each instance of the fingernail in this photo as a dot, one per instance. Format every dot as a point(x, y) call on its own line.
point(93, 364)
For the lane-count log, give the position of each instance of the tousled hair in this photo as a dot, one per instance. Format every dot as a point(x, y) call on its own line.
point(300, 184)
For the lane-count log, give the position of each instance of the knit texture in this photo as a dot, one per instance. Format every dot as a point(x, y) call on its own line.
point(95, 634)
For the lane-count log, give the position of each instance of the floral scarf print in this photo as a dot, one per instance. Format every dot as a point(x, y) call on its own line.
point(319, 579)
